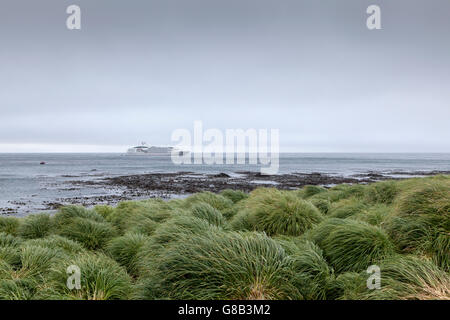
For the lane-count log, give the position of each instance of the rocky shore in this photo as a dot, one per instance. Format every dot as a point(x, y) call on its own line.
point(189, 182)
point(180, 184)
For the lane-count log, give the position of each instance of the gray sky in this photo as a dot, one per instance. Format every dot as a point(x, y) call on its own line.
point(140, 69)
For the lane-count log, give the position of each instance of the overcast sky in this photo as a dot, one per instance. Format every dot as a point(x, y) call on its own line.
point(137, 70)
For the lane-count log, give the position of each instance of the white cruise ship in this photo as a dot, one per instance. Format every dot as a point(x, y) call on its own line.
point(144, 149)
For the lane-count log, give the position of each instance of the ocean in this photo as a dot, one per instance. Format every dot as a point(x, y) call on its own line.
point(25, 184)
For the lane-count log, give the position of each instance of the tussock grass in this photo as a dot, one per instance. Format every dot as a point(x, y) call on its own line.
point(330, 196)
point(352, 245)
point(10, 255)
point(16, 289)
point(65, 215)
point(411, 278)
point(337, 193)
point(35, 226)
point(312, 243)
point(91, 234)
point(101, 279)
point(440, 250)
point(323, 205)
point(346, 208)
point(8, 240)
point(9, 249)
point(422, 215)
point(180, 226)
point(348, 286)
point(216, 201)
point(242, 221)
point(320, 233)
point(222, 266)
point(36, 261)
point(375, 215)
point(141, 216)
point(312, 272)
point(173, 230)
point(381, 192)
point(277, 213)
point(23, 279)
point(234, 195)
point(431, 199)
point(310, 190)
point(207, 212)
point(9, 225)
point(69, 247)
point(103, 210)
point(125, 250)
point(344, 191)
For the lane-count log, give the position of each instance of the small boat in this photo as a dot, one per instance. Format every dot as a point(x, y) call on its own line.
point(42, 163)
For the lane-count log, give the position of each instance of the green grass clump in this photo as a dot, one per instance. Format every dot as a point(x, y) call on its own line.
point(140, 216)
point(208, 213)
point(216, 201)
point(234, 195)
point(125, 250)
point(382, 192)
point(242, 221)
point(348, 286)
point(91, 234)
point(323, 205)
point(312, 272)
point(69, 247)
point(411, 278)
point(330, 196)
point(9, 225)
point(173, 230)
point(431, 199)
point(141, 224)
point(310, 190)
point(346, 208)
point(344, 191)
point(101, 279)
point(422, 214)
point(278, 213)
point(410, 234)
point(339, 192)
point(16, 289)
point(375, 215)
point(440, 250)
point(35, 226)
point(104, 211)
point(65, 215)
point(9, 249)
point(27, 276)
point(8, 240)
point(351, 245)
point(223, 265)
point(84, 226)
point(319, 233)
point(36, 261)
point(10, 255)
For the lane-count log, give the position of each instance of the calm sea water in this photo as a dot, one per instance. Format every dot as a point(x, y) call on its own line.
point(24, 180)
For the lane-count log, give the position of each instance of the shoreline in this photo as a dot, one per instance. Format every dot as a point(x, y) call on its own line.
point(184, 183)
